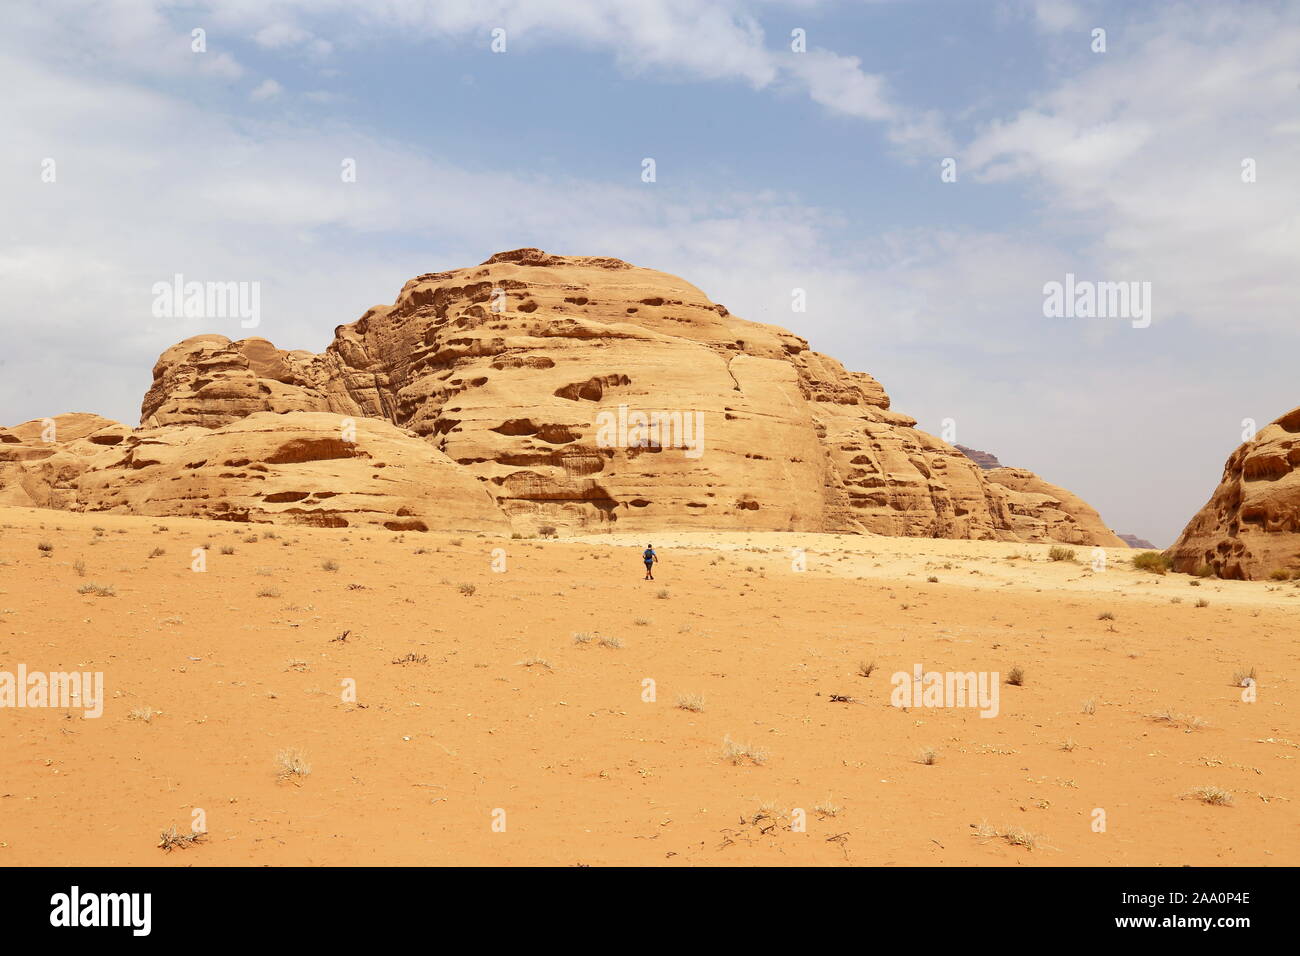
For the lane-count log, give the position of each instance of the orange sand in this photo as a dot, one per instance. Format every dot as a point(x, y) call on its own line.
point(585, 770)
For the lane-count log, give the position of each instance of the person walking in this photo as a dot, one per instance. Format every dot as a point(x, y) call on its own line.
point(650, 558)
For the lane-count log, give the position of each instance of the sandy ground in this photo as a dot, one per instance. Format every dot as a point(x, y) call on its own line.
point(503, 717)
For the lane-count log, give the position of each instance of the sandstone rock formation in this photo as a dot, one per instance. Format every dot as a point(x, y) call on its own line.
point(42, 461)
point(508, 368)
point(588, 394)
point(1133, 541)
point(1041, 511)
point(1250, 527)
point(296, 468)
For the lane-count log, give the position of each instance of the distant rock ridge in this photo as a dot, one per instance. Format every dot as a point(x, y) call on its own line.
point(510, 373)
point(984, 459)
point(1133, 541)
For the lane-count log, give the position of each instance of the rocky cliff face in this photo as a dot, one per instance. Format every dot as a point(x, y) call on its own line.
point(296, 468)
point(587, 393)
point(1041, 511)
point(1250, 527)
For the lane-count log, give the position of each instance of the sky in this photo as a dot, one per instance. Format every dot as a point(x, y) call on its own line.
point(921, 169)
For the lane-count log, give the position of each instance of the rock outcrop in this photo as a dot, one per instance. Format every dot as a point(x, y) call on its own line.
point(210, 381)
point(42, 462)
point(984, 459)
point(1133, 541)
point(1041, 511)
point(294, 468)
point(1250, 527)
point(511, 367)
point(588, 394)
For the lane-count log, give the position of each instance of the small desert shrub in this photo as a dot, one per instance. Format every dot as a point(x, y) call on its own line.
point(329, 565)
point(739, 753)
point(582, 637)
point(456, 542)
point(1204, 570)
point(1106, 616)
point(1152, 561)
point(468, 590)
point(1089, 707)
point(535, 662)
point(928, 757)
point(270, 535)
point(250, 539)
point(1281, 574)
point(99, 590)
point(156, 553)
point(1241, 675)
point(268, 593)
point(692, 702)
point(827, 809)
point(291, 763)
point(612, 642)
point(174, 840)
point(641, 622)
point(1214, 796)
point(1069, 744)
point(145, 714)
point(1014, 835)
point(296, 665)
point(1058, 553)
point(80, 567)
point(1016, 675)
point(412, 658)
point(663, 594)
point(227, 549)
point(516, 535)
point(932, 579)
point(1201, 602)
point(45, 547)
point(865, 668)
point(1188, 721)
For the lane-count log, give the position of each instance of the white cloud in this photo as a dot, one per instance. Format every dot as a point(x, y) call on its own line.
point(713, 41)
point(1057, 16)
point(275, 36)
point(1141, 154)
point(266, 90)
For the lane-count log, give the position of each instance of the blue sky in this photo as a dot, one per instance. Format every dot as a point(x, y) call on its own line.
point(775, 170)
